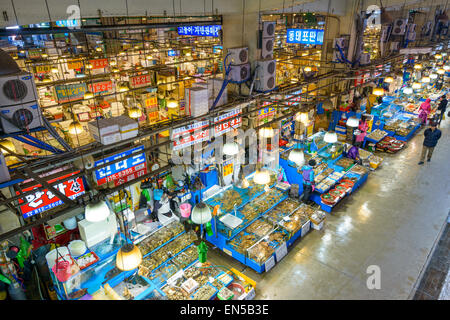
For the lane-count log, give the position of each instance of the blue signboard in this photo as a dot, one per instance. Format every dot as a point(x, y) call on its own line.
point(305, 36)
point(172, 53)
point(114, 171)
point(203, 31)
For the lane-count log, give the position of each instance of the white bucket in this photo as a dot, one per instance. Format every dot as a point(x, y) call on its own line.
point(70, 223)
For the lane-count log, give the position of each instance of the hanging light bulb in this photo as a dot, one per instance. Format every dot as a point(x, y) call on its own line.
point(123, 87)
point(44, 55)
point(96, 211)
point(88, 95)
point(113, 63)
point(330, 137)
point(425, 79)
point(388, 79)
point(134, 113)
point(149, 57)
point(407, 90)
point(121, 53)
point(440, 71)
point(75, 128)
point(98, 49)
point(302, 117)
point(88, 65)
point(261, 175)
point(129, 257)
point(418, 66)
point(115, 70)
point(433, 76)
point(172, 104)
point(308, 69)
point(201, 214)
point(416, 85)
point(378, 91)
point(438, 56)
point(266, 132)
point(231, 148)
point(446, 67)
point(297, 156)
point(54, 70)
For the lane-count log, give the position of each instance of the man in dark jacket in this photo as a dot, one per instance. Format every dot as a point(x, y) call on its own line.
point(432, 135)
point(442, 107)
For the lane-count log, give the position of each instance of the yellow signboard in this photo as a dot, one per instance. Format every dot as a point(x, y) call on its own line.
point(74, 64)
point(43, 69)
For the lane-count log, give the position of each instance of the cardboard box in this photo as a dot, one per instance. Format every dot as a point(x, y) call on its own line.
point(196, 101)
point(128, 127)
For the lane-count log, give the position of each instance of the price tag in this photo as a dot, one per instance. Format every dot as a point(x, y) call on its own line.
point(281, 251)
point(228, 252)
point(270, 263)
point(305, 228)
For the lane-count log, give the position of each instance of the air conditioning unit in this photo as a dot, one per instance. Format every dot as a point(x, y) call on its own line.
point(426, 28)
point(240, 73)
point(365, 59)
point(443, 28)
point(17, 88)
point(411, 27)
point(237, 55)
point(268, 30)
point(399, 27)
point(20, 117)
point(265, 75)
point(267, 48)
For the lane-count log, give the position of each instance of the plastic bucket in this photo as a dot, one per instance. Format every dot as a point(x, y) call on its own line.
point(185, 210)
point(62, 270)
point(157, 194)
point(237, 289)
point(70, 223)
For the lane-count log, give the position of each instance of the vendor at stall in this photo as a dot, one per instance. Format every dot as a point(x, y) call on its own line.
point(362, 132)
point(308, 180)
point(352, 152)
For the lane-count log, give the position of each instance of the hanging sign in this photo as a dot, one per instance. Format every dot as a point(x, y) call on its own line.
point(223, 125)
point(74, 64)
point(41, 201)
point(228, 167)
point(270, 263)
point(309, 130)
point(70, 92)
point(122, 171)
point(43, 69)
point(34, 54)
point(101, 87)
point(305, 36)
point(141, 81)
point(194, 133)
point(99, 63)
point(204, 31)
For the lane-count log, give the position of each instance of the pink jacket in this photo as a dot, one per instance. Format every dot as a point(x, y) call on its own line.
point(363, 128)
point(425, 106)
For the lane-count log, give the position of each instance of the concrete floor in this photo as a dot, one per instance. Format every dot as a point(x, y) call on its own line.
point(392, 221)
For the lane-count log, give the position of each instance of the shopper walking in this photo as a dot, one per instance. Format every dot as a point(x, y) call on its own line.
point(442, 107)
point(432, 135)
point(424, 110)
point(308, 180)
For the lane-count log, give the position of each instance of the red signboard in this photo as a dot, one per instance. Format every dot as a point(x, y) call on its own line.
point(102, 86)
point(224, 125)
point(141, 81)
point(123, 174)
point(44, 200)
point(99, 63)
point(134, 175)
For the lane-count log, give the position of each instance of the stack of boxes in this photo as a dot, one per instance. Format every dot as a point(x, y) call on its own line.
point(214, 85)
point(196, 101)
point(108, 131)
point(341, 133)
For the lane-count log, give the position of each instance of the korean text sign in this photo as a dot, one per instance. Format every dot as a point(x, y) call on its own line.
point(203, 31)
point(305, 36)
point(121, 170)
point(223, 123)
point(186, 136)
point(44, 200)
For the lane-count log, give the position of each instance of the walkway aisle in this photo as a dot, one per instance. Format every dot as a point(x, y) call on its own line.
point(392, 221)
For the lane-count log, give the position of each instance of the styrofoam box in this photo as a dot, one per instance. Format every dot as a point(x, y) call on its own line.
point(103, 127)
point(128, 127)
point(108, 138)
point(318, 226)
point(196, 101)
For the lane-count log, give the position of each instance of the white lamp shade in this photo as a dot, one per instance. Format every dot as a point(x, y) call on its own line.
point(426, 79)
point(330, 137)
point(266, 132)
point(388, 79)
point(129, 257)
point(433, 76)
point(75, 128)
point(416, 85)
point(261, 176)
point(378, 91)
point(96, 211)
point(441, 71)
point(418, 66)
point(302, 117)
point(231, 149)
point(446, 67)
point(308, 69)
point(297, 156)
point(135, 113)
point(407, 90)
point(353, 122)
point(201, 214)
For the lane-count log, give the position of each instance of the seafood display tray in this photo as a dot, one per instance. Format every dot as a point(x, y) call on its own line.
point(157, 248)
